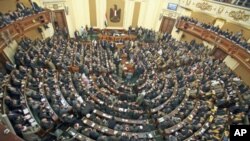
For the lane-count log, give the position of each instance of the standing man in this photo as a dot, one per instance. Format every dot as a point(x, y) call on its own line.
point(35, 6)
point(20, 6)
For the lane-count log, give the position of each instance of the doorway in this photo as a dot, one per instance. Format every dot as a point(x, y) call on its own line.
point(59, 21)
point(167, 25)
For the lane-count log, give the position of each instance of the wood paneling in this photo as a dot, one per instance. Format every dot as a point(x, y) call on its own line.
point(33, 34)
point(167, 24)
point(205, 18)
point(136, 14)
point(60, 19)
point(8, 137)
point(92, 11)
point(219, 54)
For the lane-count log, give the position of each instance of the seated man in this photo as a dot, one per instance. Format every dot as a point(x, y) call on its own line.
point(9, 67)
point(94, 134)
point(12, 104)
point(35, 6)
point(47, 124)
point(20, 6)
point(111, 123)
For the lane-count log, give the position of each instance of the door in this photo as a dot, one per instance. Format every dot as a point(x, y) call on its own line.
point(167, 24)
point(60, 20)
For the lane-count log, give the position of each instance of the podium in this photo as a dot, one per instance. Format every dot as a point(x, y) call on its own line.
point(73, 68)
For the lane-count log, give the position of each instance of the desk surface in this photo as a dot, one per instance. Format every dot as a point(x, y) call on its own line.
point(112, 132)
point(183, 122)
point(8, 137)
point(78, 135)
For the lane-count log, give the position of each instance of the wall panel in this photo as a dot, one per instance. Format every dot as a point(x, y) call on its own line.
point(92, 11)
point(120, 6)
point(205, 18)
point(136, 14)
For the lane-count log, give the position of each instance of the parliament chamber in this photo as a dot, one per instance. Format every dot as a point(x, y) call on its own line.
point(123, 70)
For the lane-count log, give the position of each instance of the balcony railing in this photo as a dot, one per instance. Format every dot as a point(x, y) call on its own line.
point(19, 27)
point(226, 45)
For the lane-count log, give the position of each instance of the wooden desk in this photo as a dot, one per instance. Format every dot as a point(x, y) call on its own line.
point(2, 102)
point(73, 69)
point(122, 120)
point(77, 135)
point(128, 67)
point(226, 45)
point(165, 103)
point(112, 132)
point(119, 46)
point(204, 127)
point(117, 38)
point(99, 91)
point(115, 108)
point(186, 120)
point(8, 137)
point(176, 110)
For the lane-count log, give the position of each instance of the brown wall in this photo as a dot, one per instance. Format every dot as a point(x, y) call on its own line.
point(6, 5)
point(203, 17)
point(236, 28)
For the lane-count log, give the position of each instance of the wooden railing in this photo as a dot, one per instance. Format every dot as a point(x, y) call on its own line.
point(19, 27)
point(226, 45)
point(6, 135)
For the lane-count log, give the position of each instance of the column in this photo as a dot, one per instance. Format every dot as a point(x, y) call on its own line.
point(128, 14)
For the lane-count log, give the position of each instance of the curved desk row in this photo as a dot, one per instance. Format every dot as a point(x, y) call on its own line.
point(226, 45)
point(112, 132)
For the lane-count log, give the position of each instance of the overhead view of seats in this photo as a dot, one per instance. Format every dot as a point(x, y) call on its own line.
point(169, 75)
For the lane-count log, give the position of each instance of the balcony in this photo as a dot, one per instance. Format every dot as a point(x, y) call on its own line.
point(226, 45)
point(19, 27)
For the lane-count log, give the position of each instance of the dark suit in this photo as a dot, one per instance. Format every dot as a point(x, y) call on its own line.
point(47, 125)
point(35, 7)
point(11, 105)
point(111, 123)
point(20, 6)
point(94, 135)
point(9, 67)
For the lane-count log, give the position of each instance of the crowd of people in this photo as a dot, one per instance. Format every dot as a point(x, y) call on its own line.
point(244, 3)
point(177, 91)
point(236, 37)
point(20, 12)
